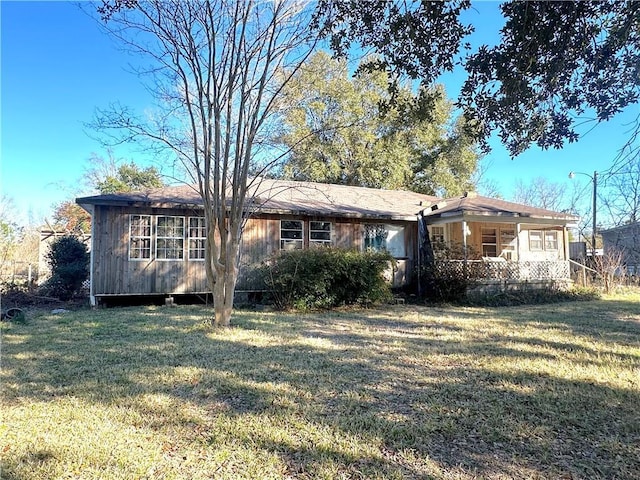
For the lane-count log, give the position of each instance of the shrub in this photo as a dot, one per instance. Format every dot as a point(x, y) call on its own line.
point(69, 262)
point(326, 278)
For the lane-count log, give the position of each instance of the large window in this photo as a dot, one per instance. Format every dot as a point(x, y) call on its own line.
point(489, 242)
point(197, 238)
point(140, 237)
point(375, 237)
point(291, 234)
point(378, 237)
point(550, 240)
point(170, 238)
point(535, 240)
point(320, 233)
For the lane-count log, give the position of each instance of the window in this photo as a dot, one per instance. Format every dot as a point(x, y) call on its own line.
point(550, 240)
point(535, 240)
point(437, 234)
point(291, 234)
point(375, 237)
point(489, 242)
point(320, 233)
point(507, 247)
point(197, 238)
point(140, 237)
point(170, 238)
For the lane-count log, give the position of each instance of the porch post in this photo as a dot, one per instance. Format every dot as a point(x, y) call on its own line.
point(518, 242)
point(464, 243)
point(565, 242)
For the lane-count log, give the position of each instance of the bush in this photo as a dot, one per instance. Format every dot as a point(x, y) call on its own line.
point(326, 278)
point(532, 297)
point(69, 262)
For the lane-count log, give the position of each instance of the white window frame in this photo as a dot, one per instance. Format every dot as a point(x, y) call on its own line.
point(298, 243)
point(322, 242)
point(169, 239)
point(536, 248)
point(135, 237)
point(554, 243)
point(196, 238)
point(437, 237)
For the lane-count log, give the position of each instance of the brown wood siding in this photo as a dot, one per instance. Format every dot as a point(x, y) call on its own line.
point(115, 274)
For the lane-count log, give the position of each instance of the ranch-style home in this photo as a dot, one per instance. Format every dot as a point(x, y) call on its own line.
point(152, 242)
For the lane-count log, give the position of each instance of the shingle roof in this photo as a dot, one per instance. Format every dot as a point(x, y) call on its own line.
point(477, 205)
point(280, 196)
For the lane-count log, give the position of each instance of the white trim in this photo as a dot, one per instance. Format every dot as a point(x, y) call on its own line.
point(158, 237)
point(150, 237)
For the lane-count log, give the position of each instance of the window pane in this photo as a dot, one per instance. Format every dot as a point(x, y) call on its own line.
point(535, 239)
point(197, 238)
point(291, 225)
point(140, 237)
point(321, 236)
point(550, 241)
point(291, 234)
point(170, 238)
point(326, 226)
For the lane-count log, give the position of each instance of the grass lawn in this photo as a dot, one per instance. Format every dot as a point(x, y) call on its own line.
point(547, 391)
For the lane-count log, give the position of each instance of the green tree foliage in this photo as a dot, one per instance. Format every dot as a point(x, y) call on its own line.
point(130, 177)
point(104, 175)
point(345, 130)
point(69, 261)
point(555, 61)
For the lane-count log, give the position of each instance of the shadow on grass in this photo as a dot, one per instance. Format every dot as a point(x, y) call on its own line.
point(442, 390)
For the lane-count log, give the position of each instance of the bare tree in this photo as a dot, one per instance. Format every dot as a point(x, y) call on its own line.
point(540, 193)
point(218, 70)
point(622, 186)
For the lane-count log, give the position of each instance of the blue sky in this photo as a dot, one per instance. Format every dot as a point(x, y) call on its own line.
point(57, 67)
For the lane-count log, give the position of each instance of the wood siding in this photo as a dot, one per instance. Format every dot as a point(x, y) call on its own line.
point(114, 273)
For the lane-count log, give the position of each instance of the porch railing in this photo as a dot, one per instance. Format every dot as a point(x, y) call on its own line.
point(504, 270)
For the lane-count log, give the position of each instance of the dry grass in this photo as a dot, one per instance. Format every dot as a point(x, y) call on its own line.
point(404, 392)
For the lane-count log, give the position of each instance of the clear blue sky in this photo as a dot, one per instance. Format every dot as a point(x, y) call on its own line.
point(57, 67)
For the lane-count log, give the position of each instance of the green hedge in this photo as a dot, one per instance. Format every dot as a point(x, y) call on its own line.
point(326, 278)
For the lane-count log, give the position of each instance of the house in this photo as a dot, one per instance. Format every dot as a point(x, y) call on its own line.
point(500, 244)
point(152, 242)
point(626, 239)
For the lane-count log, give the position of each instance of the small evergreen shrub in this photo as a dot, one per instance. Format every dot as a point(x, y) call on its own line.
point(327, 277)
point(69, 261)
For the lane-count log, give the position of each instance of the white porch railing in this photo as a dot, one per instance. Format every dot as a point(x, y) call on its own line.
point(505, 269)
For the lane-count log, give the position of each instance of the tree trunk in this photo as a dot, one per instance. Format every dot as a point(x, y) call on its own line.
point(224, 287)
point(222, 305)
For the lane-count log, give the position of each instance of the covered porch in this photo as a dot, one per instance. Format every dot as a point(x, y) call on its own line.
point(489, 240)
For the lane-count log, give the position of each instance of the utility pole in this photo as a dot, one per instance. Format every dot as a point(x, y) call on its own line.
point(594, 179)
point(593, 228)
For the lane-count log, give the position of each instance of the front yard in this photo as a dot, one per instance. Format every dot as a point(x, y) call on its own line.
point(548, 391)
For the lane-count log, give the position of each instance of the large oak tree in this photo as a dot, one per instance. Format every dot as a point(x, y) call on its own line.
point(555, 64)
point(345, 129)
